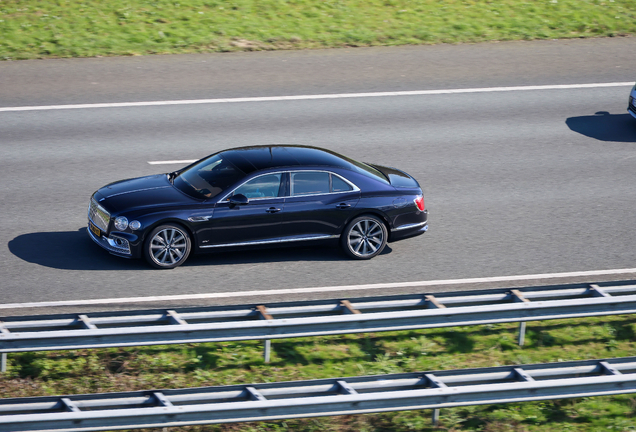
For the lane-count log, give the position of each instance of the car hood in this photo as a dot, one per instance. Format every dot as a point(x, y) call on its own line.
point(142, 192)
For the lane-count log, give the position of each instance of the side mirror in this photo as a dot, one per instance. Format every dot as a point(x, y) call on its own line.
point(238, 199)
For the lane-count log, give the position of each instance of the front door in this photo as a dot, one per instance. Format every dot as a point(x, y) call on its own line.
point(257, 221)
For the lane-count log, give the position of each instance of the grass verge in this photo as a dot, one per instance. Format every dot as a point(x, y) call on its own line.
point(79, 28)
point(192, 365)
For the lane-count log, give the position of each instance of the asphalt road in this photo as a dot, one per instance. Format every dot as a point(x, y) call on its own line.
point(516, 182)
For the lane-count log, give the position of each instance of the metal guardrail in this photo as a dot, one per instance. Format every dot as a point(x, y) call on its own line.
point(313, 318)
point(337, 396)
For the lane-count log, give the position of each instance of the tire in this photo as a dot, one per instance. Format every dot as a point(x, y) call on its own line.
point(167, 246)
point(364, 237)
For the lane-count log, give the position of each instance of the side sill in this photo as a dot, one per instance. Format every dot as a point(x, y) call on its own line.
point(275, 241)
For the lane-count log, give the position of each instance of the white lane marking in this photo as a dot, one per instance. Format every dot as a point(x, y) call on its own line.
point(172, 162)
point(317, 289)
point(313, 97)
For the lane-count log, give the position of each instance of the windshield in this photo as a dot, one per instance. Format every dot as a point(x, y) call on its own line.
point(208, 178)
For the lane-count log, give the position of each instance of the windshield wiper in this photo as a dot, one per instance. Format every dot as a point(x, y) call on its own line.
point(171, 177)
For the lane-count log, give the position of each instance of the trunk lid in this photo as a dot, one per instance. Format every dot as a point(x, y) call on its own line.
point(397, 178)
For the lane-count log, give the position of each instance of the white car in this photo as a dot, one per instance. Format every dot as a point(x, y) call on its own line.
point(631, 108)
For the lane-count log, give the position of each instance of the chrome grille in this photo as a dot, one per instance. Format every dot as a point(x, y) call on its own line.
point(98, 215)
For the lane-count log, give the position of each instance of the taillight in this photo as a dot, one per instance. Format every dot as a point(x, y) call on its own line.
point(419, 202)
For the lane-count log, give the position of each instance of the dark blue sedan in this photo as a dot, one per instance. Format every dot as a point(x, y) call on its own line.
point(254, 197)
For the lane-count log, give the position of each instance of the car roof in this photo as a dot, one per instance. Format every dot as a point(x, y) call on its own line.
point(256, 158)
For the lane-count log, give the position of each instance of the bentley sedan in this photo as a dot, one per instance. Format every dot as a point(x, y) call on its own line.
point(255, 197)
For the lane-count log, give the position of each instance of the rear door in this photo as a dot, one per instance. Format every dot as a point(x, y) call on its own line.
point(318, 205)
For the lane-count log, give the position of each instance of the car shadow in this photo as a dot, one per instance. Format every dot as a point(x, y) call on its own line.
point(68, 250)
point(74, 250)
point(604, 126)
point(289, 253)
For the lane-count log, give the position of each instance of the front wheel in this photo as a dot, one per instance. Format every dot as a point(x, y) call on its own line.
point(364, 237)
point(167, 246)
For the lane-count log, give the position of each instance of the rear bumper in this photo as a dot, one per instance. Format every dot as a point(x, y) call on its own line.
point(410, 230)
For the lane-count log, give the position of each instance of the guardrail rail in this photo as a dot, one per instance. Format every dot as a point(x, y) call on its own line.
point(324, 397)
point(313, 318)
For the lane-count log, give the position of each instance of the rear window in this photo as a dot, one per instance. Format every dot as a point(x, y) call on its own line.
point(366, 170)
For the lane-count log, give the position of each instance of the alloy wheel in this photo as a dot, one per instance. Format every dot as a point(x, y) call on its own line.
point(365, 238)
point(168, 247)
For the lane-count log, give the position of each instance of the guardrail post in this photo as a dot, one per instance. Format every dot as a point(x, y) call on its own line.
point(518, 297)
point(3, 362)
point(268, 343)
point(435, 417)
point(522, 333)
point(435, 382)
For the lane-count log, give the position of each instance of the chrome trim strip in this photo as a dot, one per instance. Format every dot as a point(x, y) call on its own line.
point(319, 194)
point(276, 240)
point(199, 218)
point(137, 190)
point(407, 226)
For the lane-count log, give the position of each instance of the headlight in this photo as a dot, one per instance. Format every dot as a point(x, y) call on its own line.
point(135, 225)
point(121, 223)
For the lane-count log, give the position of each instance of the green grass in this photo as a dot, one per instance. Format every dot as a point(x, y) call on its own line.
point(75, 28)
point(177, 366)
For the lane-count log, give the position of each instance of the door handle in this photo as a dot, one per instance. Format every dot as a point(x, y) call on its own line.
point(272, 210)
point(343, 206)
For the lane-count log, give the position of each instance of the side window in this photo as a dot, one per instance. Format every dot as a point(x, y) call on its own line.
point(265, 186)
point(339, 185)
point(309, 183)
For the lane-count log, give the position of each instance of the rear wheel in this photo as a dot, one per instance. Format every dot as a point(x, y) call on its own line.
point(364, 237)
point(167, 246)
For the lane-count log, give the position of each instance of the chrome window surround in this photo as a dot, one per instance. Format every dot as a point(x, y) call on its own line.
point(98, 215)
point(355, 188)
point(293, 185)
point(228, 195)
point(254, 178)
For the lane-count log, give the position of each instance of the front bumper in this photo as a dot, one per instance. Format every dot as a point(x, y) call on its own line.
point(631, 107)
point(115, 245)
